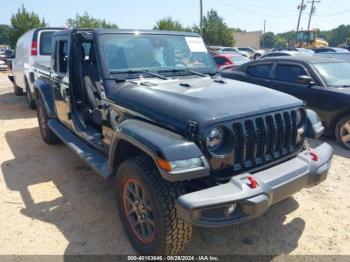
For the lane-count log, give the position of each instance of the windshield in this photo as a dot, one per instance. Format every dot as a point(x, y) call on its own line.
point(305, 51)
point(306, 36)
point(335, 74)
point(135, 52)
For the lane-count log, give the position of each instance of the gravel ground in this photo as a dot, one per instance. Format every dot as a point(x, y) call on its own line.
point(53, 203)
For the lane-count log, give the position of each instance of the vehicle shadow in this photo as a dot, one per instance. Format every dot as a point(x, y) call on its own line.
point(268, 235)
point(84, 208)
point(14, 107)
point(338, 150)
point(57, 187)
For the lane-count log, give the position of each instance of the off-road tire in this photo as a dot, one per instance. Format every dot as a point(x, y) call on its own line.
point(172, 234)
point(30, 100)
point(338, 127)
point(47, 134)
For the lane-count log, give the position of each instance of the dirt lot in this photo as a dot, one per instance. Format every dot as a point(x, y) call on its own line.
point(53, 203)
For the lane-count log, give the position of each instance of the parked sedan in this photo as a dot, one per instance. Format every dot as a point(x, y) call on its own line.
point(2, 54)
point(339, 56)
point(232, 50)
point(330, 49)
point(305, 51)
point(280, 53)
point(3, 65)
point(324, 84)
point(226, 61)
point(255, 54)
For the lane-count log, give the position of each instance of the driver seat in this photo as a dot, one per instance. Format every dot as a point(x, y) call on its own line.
point(92, 86)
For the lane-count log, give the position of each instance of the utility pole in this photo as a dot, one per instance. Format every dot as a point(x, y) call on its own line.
point(312, 11)
point(263, 36)
point(302, 8)
point(201, 16)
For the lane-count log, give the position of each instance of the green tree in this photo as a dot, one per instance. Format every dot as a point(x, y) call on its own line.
point(280, 42)
point(337, 35)
point(267, 40)
point(170, 24)
point(237, 30)
point(87, 21)
point(5, 35)
point(23, 21)
point(216, 31)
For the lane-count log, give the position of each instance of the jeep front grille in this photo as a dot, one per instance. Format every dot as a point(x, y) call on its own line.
point(264, 139)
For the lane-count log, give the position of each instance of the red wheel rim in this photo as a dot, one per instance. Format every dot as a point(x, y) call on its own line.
point(138, 211)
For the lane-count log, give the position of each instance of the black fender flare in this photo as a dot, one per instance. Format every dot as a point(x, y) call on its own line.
point(158, 143)
point(44, 90)
point(314, 127)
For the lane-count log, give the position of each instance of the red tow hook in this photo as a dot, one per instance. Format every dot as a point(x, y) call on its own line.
point(314, 155)
point(312, 152)
point(253, 183)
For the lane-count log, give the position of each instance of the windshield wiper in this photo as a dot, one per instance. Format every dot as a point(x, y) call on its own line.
point(138, 72)
point(174, 70)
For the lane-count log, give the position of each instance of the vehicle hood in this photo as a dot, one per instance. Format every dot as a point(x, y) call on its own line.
point(173, 103)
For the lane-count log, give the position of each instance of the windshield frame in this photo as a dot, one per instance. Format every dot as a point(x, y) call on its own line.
point(105, 71)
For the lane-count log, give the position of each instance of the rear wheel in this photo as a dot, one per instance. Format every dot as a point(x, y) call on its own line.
point(46, 133)
point(146, 204)
point(16, 89)
point(342, 131)
point(30, 100)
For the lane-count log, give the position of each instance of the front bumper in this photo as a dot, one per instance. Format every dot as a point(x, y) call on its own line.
point(213, 207)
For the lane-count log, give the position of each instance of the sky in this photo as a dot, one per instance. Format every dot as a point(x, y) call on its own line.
point(249, 15)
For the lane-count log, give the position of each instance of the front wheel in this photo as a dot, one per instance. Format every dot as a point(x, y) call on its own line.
point(46, 133)
point(146, 205)
point(342, 132)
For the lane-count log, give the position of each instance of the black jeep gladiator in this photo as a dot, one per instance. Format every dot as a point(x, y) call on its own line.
point(183, 145)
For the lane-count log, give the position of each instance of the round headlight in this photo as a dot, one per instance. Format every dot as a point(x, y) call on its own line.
point(214, 139)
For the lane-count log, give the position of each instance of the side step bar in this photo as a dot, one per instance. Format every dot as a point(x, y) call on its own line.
point(92, 157)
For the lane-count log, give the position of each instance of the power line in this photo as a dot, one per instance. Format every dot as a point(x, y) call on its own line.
point(253, 12)
point(185, 9)
point(334, 14)
point(191, 12)
point(273, 15)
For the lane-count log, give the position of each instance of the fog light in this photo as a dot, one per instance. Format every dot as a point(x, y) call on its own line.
point(230, 209)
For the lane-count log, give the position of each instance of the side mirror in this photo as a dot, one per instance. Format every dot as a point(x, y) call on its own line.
point(305, 80)
point(314, 127)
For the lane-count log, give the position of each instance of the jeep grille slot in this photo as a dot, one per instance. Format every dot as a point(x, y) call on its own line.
point(263, 139)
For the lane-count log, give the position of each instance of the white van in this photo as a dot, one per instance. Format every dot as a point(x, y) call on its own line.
point(32, 47)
